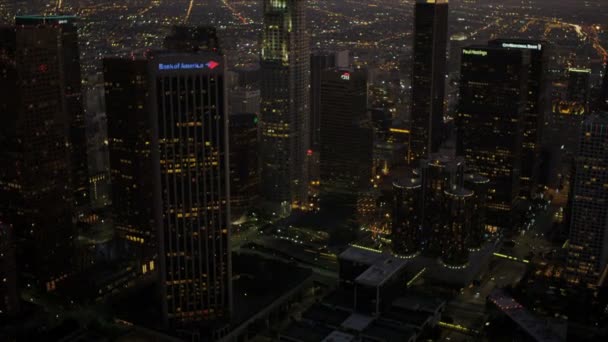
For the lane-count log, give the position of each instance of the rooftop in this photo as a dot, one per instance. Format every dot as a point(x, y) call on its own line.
point(381, 272)
point(362, 255)
point(357, 322)
point(338, 336)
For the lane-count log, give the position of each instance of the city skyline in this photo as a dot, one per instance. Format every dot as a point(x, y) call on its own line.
point(303, 170)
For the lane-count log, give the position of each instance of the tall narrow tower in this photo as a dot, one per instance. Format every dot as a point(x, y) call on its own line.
point(588, 254)
point(428, 76)
point(285, 113)
point(72, 93)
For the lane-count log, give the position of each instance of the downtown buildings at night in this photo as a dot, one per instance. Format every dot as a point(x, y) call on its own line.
point(302, 170)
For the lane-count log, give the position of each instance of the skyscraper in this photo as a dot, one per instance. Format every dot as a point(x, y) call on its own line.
point(536, 109)
point(190, 108)
point(603, 105)
point(130, 135)
point(440, 174)
point(428, 77)
point(72, 91)
point(320, 61)
point(490, 122)
point(407, 217)
point(285, 112)
point(346, 137)
point(588, 251)
point(36, 195)
point(244, 172)
point(579, 86)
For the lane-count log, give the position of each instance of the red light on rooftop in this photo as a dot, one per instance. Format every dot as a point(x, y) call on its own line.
point(309, 153)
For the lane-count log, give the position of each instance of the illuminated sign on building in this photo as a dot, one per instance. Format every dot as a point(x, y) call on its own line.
point(188, 66)
point(583, 71)
point(522, 46)
point(345, 76)
point(475, 52)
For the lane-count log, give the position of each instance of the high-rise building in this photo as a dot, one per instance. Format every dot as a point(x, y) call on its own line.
point(72, 91)
point(346, 137)
point(440, 173)
point(130, 136)
point(428, 77)
point(244, 171)
point(579, 86)
point(406, 231)
point(9, 298)
point(588, 251)
point(603, 103)
point(36, 195)
point(285, 112)
point(537, 103)
point(490, 122)
point(479, 185)
point(190, 108)
point(320, 61)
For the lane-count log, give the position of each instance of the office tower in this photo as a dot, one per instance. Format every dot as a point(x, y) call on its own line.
point(346, 137)
point(407, 217)
point(130, 136)
point(439, 173)
point(244, 173)
point(490, 121)
point(245, 100)
point(191, 110)
point(458, 208)
point(603, 105)
point(36, 195)
point(69, 56)
point(9, 298)
point(579, 84)
point(285, 112)
point(536, 109)
point(428, 76)
point(588, 252)
point(479, 185)
point(320, 61)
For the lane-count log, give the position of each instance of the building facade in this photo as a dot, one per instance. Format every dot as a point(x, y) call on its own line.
point(244, 163)
point(537, 105)
point(73, 98)
point(36, 189)
point(428, 77)
point(588, 251)
point(285, 108)
point(191, 117)
point(130, 136)
point(346, 137)
point(490, 123)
